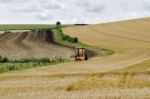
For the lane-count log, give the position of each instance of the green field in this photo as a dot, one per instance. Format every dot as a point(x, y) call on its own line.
point(4, 27)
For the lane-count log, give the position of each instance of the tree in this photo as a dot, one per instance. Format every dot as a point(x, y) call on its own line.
point(58, 25)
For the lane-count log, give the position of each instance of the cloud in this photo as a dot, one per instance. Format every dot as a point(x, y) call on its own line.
point(146, 6)
point(96, 9)
point(11, 1)
point(72, 11)
point(91, 6)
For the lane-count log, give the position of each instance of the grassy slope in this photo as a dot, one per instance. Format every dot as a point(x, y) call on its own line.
point(7, 67)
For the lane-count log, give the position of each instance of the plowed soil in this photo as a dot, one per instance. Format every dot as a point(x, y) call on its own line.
point(29, 44)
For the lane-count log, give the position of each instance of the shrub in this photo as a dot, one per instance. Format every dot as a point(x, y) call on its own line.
point(45, 60)
point(3, 59)
point(60, 30)
point(71, 39)
point(65, 37)
point(68, 38)
point(7, 31)
point(75, 39)
point(48, 30)
point(11, 68)
point(23, 61)
point(61, 34)
point(35, 64)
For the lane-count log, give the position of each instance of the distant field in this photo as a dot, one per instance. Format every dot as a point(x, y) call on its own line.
point(4, 27)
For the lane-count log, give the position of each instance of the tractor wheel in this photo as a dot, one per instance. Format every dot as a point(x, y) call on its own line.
point(86, 57)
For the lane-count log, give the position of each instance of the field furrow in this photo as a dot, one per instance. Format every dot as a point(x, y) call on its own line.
point(30, 44)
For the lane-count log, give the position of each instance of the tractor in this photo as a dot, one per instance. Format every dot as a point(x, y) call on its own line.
point(81, 54)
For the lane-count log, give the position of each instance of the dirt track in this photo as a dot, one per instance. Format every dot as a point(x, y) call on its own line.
point(31, 44)
point(123, 75)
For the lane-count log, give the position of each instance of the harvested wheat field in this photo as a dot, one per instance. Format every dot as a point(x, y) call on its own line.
point(124, 75)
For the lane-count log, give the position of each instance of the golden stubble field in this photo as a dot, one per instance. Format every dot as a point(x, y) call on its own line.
point(125, 75)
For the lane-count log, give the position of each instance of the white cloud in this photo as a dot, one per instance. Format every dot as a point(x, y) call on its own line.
point(11, 1)
point(71, 11)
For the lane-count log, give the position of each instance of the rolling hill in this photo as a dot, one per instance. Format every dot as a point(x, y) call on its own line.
point(123, 75)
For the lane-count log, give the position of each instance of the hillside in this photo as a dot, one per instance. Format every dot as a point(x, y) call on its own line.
point(31, 44)
point(130, 40)
point(123, 75)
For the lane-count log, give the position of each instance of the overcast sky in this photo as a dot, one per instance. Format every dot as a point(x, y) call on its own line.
point(71, 11)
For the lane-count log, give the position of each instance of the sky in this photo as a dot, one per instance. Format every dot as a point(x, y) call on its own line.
point(71, 11)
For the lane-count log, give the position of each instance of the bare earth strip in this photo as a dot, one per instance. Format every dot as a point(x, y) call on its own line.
point(123, 75)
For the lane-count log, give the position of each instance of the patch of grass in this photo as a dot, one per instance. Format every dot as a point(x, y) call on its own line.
point(22, 64)
point(3, 69)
